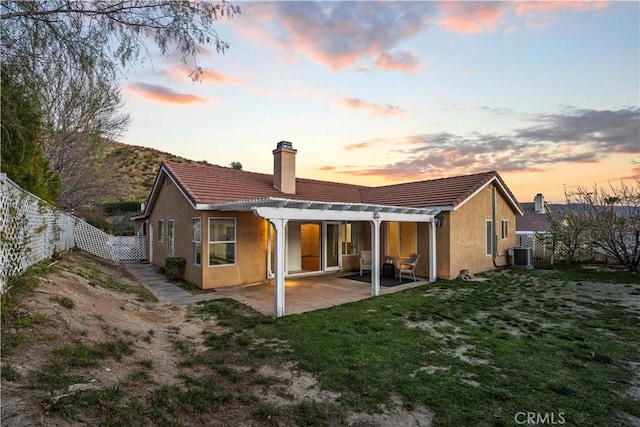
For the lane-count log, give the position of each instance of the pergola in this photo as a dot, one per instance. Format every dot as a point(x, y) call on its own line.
point(279, 211)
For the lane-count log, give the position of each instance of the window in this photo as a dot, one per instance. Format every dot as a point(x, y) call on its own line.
point(489, 237)
point(170, 236)
point(401, 238)
point(196, 240)
point(350, 238)
point(505, 228)
point(222, 241)
point(160, 230)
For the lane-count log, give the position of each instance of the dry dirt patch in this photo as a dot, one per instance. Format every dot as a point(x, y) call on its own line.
point(161, 336)
point(97, 315)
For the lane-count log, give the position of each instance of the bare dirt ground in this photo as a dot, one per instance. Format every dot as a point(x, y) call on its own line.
point(163, 337)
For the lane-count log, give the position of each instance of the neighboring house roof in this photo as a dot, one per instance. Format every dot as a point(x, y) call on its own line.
point(538, 222)
point(210, 184)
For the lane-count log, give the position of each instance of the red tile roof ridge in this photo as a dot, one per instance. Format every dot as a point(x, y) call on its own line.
point(310, 180)
point(488, 173)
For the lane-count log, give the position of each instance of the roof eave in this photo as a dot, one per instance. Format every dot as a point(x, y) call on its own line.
point(514, 204)
point(156, 189)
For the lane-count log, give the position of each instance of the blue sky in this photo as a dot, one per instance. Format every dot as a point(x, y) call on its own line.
point(546, 93)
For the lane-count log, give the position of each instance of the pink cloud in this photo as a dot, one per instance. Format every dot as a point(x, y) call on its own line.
point(376, 109)
point(164, 94)
point(358, 146)
point(552, 6)
point(216, 77)
point(399, 61)
point(210, 76)
point(471, 18)
point(539, 14)
point(352, 32)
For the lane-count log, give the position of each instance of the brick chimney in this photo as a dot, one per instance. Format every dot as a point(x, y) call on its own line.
point(284, 167)
point(539, 203)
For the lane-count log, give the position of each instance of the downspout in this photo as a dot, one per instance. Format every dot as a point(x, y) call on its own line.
point(494, 239)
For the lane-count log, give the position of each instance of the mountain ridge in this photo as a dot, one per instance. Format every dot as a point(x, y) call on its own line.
point(135, 168)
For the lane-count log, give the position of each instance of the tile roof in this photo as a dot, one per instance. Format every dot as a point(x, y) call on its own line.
point(436, 192)
point(210, 184)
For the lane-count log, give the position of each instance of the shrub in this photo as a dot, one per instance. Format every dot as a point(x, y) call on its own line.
point(174, 267)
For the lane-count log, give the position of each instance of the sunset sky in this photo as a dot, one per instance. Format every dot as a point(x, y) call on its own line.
point(374, 93)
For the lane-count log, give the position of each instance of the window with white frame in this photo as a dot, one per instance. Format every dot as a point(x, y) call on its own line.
point(350, 238)
point(196, 240)
point(222, 241)
point(170, 236)
point(160, 230)
point(489, 227)
point(505, 228)
point(401, 239)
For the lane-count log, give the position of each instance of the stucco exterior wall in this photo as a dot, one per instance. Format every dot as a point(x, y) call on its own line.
point(171, 204)
point(251, 252)
point(467, 235)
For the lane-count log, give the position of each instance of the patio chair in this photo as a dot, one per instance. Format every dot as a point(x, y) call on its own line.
point(407, 267)
point(365, 261)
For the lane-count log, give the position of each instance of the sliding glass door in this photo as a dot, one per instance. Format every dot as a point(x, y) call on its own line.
point(332, 246)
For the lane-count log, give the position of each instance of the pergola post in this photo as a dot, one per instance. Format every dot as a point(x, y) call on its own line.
point(432, 252)
point(375, 257)
point(279, 225)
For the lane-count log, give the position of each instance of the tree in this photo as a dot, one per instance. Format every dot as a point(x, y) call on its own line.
point(70, 53)
point(21, 158)
point(236, 166)
point(82, 115)
point(566, 235)
point(611, 219)
point(108, 32)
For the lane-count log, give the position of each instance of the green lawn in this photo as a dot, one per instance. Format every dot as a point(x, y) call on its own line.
point(478, 353)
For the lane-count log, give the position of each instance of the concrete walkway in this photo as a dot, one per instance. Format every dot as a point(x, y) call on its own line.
point(166, 291)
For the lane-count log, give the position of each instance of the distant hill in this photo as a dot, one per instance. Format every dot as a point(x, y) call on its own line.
point(135, 168)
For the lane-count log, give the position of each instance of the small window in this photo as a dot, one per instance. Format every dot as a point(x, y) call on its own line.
point(222, 241)
point(170, 237)
point(401, 239)
point(160, 230)
point(505, 228)
point(350, 238)
point(196, 240)
point(489, 237)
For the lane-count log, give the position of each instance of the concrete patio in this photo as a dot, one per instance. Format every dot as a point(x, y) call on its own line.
point(308, 293)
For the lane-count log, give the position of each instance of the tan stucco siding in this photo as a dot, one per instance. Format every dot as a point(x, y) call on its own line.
point(172, 205)
point(468, 238)
point(250, 252)
point(505, 212)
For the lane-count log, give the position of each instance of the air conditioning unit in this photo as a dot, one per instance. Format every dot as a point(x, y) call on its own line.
point(522, 257)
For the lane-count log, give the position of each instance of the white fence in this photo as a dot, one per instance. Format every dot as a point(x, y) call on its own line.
point(530, 239)
point(535, 240)
point(31, 231)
